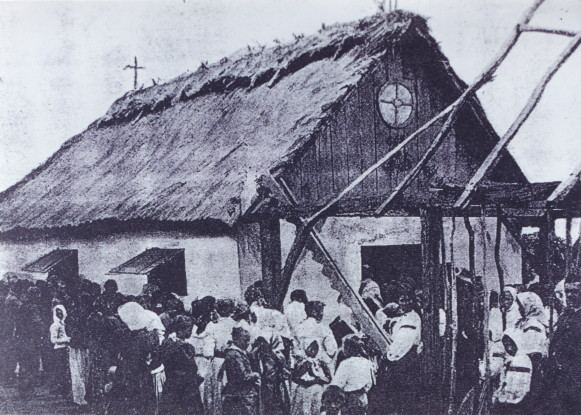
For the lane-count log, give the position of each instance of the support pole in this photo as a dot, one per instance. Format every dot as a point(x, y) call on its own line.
point(569, 245)
point(297, 248)
point(499, 269)
point(471, 248)
point(453, 324)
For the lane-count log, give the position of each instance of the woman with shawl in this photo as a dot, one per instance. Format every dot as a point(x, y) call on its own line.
point(219, 335)
point(371, 294)
point(514, 396)
point(533, 323)
point(181, 393)
point(310, 374)
point(59, 338)
point(510, 307)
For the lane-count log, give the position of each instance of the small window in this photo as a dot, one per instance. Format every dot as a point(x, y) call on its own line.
point(395, 104)
point(165, 268)
point(62, 263)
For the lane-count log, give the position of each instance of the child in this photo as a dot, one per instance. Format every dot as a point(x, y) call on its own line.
point(333, 401)
point(310, 374)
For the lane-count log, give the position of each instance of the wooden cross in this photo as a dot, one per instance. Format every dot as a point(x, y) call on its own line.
point(135, 69)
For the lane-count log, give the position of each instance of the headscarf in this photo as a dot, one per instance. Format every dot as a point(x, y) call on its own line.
point(54, 316)
point(137, 318)
point(533, 308)
point(512, 292)
point(370, 289)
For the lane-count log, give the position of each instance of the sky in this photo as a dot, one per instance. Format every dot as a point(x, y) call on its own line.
point(61, 63)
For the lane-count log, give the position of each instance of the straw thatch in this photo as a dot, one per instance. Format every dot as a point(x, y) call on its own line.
point(193, 148)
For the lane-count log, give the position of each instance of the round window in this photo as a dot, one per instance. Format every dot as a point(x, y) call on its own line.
point(395, 104)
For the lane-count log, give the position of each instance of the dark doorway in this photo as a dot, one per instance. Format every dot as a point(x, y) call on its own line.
point(389, 263)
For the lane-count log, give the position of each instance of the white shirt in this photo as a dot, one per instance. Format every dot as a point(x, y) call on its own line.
point(221, 332)
point(495, 324)
point(295, 314)
point(515, 380)
point(270, 322)
point(355, 373)
point(407, 332)
point(310, 330)
point(512, 316)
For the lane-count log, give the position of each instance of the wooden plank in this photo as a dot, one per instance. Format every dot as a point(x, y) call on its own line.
point(309, 174)
point(565, 187)
point(353, 133)
point(340, 168)
point(383, 134)
point(494, 156)
point(325, 165)
point(367, 133)
point(552, 31)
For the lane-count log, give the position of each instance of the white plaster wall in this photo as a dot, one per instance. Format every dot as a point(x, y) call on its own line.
point(211, 262)
point(343, 238)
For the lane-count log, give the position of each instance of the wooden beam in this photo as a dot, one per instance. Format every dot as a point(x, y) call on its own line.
point(453, 324)
point(297, 248)
point(413, 173)
point(565, 187)
point(471, 246)
point(529, 28)
point(494, 156)
point(485, 77)
point(569, 245)
point(270, 253)
point(499, 269)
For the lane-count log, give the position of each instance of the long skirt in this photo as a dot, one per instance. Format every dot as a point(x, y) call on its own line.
point(213, 387)
point(62, 375)
point(307, 400)
point(240, 405)
point(79, 364)
point(204, 364)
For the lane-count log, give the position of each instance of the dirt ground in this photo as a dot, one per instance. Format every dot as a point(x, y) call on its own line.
point(41, 403)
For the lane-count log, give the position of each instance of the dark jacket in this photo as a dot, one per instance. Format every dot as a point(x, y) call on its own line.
point(238, 369)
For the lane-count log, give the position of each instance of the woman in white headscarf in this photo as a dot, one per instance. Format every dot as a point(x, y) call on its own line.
point(513, 395)
point(60, 339)
point(533, 323)
point(510, 307)
point(371, 294)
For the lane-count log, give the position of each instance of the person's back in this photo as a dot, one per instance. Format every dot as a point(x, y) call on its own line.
point(241, 391)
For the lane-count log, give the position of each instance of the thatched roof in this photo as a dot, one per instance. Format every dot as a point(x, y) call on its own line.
point(192, 149)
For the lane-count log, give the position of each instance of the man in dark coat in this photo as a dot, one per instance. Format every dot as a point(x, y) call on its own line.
point(564, 368)
point(181, 391)
point(108, 302)
point(241, 392)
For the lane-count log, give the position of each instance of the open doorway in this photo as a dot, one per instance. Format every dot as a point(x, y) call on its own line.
point(389, 263)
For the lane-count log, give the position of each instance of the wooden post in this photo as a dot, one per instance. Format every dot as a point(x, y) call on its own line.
point(259, 257)
point(499, 269)
point(569, 245)
point(550, 229)
point(297, 248)
point(453, 324)
point(271, 260)
point(471, 248)
point(431, 235)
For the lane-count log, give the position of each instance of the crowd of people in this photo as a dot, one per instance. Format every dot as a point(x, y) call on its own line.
point(534, 360)
point(148, 354)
